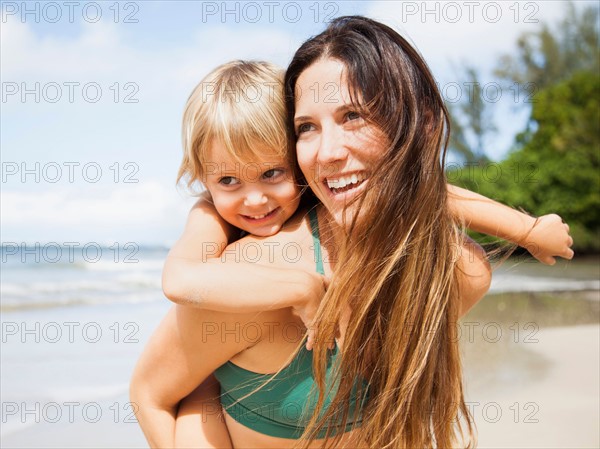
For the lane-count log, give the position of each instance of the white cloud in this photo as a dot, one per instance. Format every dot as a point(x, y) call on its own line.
point(107, 214)
point(464, 31)
point(450, 34)
point(96, 53)
point(101, 52)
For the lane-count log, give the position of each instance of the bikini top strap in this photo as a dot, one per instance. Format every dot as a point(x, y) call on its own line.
point(314, 229)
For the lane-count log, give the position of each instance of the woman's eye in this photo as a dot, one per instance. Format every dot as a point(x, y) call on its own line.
point(273, 173)
point(304, 127)
point(352, 115)
point(228, 181)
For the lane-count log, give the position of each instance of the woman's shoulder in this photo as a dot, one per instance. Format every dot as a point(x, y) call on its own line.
point(298, 226)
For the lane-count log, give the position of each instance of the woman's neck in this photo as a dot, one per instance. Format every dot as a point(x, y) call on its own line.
point(332, 238)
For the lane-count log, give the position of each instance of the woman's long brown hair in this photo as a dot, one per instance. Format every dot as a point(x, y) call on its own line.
point(396, 271)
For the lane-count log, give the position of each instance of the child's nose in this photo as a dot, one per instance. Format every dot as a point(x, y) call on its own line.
point(255, 198)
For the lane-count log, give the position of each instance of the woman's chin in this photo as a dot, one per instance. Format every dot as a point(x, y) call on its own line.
point(345, 217)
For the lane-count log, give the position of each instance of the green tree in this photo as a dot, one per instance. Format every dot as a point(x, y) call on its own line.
point(555, 162)
point(553, 54)
point(471, 119)
point(564, 153)
point(557, 169)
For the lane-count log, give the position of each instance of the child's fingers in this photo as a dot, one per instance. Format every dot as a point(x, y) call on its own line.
point(568, 254)
point(310, 340)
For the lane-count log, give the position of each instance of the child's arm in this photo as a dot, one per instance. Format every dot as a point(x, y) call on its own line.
point(545, 237)
point(194, 273)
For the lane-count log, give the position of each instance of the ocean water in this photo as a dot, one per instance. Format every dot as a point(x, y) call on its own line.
point(524, 274)
point(52, 275)
point(74, 321)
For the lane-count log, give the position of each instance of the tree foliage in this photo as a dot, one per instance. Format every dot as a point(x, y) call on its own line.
point(553, 54)
point(471, 120)
point(558, 168)
point(555, 164)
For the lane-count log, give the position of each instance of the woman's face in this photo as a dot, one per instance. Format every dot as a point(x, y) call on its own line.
point(337, 149)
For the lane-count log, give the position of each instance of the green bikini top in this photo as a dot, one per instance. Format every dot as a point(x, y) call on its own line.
point(280, 405)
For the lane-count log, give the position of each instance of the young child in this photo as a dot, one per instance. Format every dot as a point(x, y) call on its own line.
point(235, 144)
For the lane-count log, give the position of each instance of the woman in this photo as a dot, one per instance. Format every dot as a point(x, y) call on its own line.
point(384, 126)
point(369, 124)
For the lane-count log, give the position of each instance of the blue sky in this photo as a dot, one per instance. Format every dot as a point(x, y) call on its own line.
point(92, 96)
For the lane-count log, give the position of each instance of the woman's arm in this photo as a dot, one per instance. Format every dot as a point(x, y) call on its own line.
point(474, 275)
point(545, 237)
point(195, 273)
point(185, 349)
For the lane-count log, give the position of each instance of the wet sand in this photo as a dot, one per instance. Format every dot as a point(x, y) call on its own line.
point(532, 369)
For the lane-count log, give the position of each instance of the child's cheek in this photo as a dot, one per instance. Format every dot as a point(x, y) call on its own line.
point(225, 208)
point(292, 189)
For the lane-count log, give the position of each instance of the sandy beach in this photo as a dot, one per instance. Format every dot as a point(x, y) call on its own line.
point(558, 408)
point(531, 372)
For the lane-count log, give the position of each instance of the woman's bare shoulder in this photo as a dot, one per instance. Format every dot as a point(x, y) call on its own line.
point(290, 245)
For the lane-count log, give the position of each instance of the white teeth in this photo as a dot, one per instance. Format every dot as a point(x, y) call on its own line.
point(258, 217)
point(342, 182)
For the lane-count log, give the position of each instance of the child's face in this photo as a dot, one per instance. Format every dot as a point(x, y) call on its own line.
point(258, 197)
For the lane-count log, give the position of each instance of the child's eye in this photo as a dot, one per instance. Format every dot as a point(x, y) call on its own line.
point(273, 173)
point(228, 181)
point(304, 127)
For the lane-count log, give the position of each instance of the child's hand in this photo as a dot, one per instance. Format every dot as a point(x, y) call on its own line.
point(549, 238)
point(307, 310)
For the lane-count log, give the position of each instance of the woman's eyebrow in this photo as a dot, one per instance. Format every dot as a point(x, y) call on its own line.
point(301, 118)
point(342, 108)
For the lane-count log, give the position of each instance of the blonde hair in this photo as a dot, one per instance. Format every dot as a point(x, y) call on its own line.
point(239, 104)
point(399, 274)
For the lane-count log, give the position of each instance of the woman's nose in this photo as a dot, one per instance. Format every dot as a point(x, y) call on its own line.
point(331, 147)
point(255, 198)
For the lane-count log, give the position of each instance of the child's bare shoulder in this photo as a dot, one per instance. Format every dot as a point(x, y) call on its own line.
point(202, 207)
point(203, 217)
